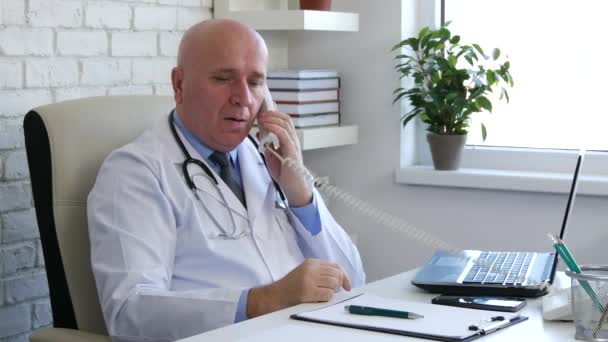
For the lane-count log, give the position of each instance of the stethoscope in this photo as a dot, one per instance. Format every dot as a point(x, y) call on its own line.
point(189, 160)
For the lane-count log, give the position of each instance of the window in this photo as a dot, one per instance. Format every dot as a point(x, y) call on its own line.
point(558, 59)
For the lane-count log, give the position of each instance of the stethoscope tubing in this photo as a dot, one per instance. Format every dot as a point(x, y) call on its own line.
point(211, 176)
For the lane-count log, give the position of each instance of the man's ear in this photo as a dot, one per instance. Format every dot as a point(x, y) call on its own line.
point(177, 78)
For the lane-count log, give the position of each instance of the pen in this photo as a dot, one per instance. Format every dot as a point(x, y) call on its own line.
point(565, 254)
point(371, 311)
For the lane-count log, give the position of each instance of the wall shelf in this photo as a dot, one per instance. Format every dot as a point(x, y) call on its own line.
point(279, 15)
point(283, 15)
point(288, 20)
point(322, 137)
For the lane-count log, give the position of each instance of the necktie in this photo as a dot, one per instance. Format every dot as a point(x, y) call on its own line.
point(226, 174)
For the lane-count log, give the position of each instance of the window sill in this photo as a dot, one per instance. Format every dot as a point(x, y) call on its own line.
point(505, 180)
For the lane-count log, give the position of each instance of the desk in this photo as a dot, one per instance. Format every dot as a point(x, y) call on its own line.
point(398, 286)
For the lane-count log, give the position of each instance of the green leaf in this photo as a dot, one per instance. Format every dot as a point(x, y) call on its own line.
point(469, 59)
point(412, 42)
point(405, 71)
point(409, 118)
point(484, 103)
point(444, 33)
point(496, 54)
point(491, 77)
point(399, 97)
point(484, 132)
point(451, 95)
point(478, 48)
point(504, 93)
point(455, 39)
point(423, 32)
point(452, 60)
point(397, 90)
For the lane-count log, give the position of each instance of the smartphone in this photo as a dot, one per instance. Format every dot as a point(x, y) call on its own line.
point(506, 304)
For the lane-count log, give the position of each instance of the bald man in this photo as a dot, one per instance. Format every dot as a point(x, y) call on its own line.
point(179, 248)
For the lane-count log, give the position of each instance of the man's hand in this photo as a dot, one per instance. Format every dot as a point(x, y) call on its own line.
point(297, 190)
point(312, 281)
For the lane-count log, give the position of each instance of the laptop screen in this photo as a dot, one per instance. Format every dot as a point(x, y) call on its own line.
point(579, 162)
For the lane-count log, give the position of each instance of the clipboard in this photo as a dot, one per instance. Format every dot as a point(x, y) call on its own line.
point(440, 323)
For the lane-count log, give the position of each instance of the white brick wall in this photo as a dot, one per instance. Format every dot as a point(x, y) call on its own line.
point(19, 226)
point(186, 17)
point(55, 13)
point(11, 73)
point(169, 42)
point(150, 71)
point(26, 41)
point(134, 44)
point(106, 71)
point(108, 15)
point(17, 102)
point(12, 12)
point(154, 18)
point(82, 43)
point(53, 72)
point(64, 94)
point(16, 165)
point(57, 50)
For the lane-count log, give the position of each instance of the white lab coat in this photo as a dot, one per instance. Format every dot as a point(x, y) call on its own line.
point(161, 272)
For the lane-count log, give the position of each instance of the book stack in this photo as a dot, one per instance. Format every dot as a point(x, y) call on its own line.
point(310, 97)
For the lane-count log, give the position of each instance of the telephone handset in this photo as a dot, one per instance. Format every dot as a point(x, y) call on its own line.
point(265, 136)
point(331, 191)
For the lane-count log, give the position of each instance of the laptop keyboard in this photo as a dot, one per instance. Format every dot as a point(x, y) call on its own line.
point(508, 268)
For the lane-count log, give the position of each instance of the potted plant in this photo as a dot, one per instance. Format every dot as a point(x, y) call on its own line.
point(451, 82)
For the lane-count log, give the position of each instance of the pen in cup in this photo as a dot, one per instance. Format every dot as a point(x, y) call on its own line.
point(372, 311)
point(565, 254)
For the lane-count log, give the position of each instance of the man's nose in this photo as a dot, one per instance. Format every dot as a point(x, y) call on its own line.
point(241, 94)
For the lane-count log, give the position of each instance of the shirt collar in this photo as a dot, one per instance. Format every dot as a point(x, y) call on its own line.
point(200, 147)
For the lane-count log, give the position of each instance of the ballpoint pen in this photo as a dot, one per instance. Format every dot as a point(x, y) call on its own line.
point(371, 311)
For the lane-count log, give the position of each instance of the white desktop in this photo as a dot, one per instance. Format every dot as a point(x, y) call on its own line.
point(277, 326)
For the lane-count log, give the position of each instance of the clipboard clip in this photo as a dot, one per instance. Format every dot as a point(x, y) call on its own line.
point(491, 325)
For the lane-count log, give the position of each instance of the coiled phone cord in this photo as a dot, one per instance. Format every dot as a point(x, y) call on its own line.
point(360, 206)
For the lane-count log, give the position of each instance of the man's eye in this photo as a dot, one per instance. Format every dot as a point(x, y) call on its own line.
point(220, 78)
point(256, 82)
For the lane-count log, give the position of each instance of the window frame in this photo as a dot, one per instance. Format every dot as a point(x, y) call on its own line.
point(495, 168)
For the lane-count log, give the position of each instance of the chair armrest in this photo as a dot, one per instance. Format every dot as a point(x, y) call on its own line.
point(66, 335)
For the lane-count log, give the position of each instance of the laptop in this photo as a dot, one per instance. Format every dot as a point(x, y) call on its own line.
point(493, 273)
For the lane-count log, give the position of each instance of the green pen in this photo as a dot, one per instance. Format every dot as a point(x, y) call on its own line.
point(563, 252)
point(371, 311)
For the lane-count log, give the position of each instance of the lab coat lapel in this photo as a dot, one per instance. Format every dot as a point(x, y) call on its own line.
point(199, 177)
point(256, 179)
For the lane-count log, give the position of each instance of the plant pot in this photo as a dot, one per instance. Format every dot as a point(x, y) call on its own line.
point(315, 5)
point(446, 150)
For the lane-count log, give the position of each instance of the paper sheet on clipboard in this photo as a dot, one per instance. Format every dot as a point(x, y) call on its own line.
point(440, 322)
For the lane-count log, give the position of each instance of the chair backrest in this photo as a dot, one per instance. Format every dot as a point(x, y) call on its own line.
point(66, 143)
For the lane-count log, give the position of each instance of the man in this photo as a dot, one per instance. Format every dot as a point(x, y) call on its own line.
point(173, 252)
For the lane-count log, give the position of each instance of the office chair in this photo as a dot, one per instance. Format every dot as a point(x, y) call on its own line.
point(66, 143)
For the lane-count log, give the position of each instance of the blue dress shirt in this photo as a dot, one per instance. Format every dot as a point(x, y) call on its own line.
point(308, 214)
